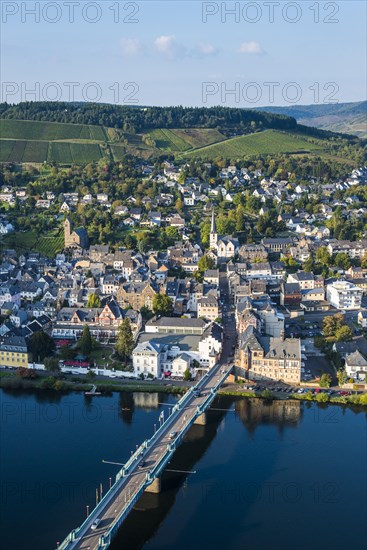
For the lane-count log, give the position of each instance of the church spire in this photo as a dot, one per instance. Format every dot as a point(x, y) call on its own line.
point(213, 228)
point(213, 233)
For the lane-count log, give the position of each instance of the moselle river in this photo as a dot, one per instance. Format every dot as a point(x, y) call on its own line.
point(274, 476)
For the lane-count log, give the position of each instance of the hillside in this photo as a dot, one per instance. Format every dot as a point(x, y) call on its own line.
point(206, 133)
point(267, 142)
point(349, 118)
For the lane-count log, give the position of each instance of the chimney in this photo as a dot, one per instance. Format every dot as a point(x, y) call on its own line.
point(282, 335)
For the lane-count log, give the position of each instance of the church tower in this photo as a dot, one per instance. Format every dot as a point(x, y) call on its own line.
point(213, 233)
point(67, 232)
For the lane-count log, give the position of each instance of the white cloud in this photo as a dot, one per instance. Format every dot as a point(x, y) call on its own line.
point(250, 48)
point(169, 47)
point(131, 46)
point(206, 49)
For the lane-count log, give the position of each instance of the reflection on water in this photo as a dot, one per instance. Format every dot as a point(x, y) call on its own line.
point(246, 445)
point(255, 412)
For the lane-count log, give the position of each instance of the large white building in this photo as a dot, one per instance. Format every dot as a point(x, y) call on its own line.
point(162, 353)
point(344, 295)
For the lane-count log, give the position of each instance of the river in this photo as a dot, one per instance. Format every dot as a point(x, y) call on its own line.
point(273, 476)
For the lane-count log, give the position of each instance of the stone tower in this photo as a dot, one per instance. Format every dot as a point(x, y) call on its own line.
point(67, 232)
point(213, 232)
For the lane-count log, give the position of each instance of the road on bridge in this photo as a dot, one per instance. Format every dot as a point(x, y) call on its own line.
point(136, 478)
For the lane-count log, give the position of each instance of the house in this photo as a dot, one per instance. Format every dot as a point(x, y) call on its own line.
point(208, 307)
point(290, 294)
point(137, 295)
point(13, 351)
point(171, 352)
point(225, 247)
point(6, 227)
point(270, 358)
point(356, 366)
point(155, 218)
point(305, 280)
point(103, 322)
point(135, 214)
point(211, 276)
point(344, 295)
point(175, 325)
point(362, 318)
point(279, 244)
point(177, 221)
point(102, 198)
point(253, 253)
point(43, 203)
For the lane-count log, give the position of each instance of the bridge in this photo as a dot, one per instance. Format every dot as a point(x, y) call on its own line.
point(141, 472)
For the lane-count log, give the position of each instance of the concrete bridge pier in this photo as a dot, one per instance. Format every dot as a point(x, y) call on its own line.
point(154, 487)
point(201, 420)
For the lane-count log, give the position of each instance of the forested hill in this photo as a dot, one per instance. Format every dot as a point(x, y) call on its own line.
point(138, 119)
point(350, 118)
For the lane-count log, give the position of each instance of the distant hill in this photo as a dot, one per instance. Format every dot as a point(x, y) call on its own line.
point(347, 118)
point(81, 133)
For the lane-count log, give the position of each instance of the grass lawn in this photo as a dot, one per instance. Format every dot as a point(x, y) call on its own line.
point(102, 356)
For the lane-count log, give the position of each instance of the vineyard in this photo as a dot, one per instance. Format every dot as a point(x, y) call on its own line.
point(267, 142)
point(24, 242)
point(49, 131)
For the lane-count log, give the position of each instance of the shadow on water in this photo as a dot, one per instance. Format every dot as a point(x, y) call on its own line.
point(156, 507)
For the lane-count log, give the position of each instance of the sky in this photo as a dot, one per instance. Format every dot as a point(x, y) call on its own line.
point(192, 53)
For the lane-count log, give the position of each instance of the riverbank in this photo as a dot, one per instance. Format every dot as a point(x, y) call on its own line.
point(356, 399)
point(14, 382)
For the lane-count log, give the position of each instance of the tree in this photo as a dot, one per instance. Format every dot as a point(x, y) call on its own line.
point(29, 374)
point(41, 345)
point(343, 334)
point(342, 377)
point(85, 341)
point(325, 380)
point(309, 264)
point(94, 300)
point(162, 304)
point(187, 375)
point(146, 313)
point(342, 260)
point(331, 324)
point(52, 364)
point(267, 394)
point(205, 262)
point(322, 256)
point(91, 374)
point(322, 397)
point(125, 340)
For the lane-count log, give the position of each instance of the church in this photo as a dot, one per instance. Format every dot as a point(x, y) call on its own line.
point(75, 239)
point(224, 247)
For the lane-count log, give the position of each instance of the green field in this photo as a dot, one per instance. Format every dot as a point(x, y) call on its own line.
point(267, 142)
point(66, 144)
point(49, 131)
point(69, 152)
point(23, 151)
point(24, 242)
point(199, 137)
point(178, 141)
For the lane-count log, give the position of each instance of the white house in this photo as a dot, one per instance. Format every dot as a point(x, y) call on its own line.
point(344, 295)
point(356, 366)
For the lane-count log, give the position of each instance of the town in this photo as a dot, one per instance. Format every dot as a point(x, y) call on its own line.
point(213, 261)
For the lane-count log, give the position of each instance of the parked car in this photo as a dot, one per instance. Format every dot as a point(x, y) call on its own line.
point(95, 524)
point(172, 435)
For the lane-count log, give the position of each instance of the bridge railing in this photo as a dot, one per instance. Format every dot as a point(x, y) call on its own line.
point(106, 538)
point(70, 538)
point(68, 541)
